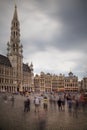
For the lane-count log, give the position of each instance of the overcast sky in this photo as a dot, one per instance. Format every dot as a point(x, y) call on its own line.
point(53, 34)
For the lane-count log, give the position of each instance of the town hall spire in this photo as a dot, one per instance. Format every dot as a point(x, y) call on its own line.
point(15, 16)
point(14, 47)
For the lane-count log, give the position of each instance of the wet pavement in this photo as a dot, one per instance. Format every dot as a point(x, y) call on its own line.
point(13, 117)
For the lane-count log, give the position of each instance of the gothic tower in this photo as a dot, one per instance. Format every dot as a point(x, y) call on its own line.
point(14, 50)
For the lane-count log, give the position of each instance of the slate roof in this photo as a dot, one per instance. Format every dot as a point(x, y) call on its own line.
point(26, 68)
point(5, 61)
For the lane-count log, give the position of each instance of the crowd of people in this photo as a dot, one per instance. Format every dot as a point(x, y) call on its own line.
point(61, 101)
point(73, 103)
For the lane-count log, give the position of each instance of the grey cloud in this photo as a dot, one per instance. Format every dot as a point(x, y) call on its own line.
point(33, 46)
point(72, 14)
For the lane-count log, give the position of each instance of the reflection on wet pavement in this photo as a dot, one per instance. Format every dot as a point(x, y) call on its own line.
point(14, 118)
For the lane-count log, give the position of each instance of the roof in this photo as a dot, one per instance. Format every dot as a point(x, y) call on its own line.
point(70, 73)
point(26, 68)
point(5, 61)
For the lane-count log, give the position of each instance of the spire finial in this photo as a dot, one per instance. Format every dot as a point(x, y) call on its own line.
point(15, 11)
point(15, 6)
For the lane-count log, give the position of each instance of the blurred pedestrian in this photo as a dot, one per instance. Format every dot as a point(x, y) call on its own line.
point(59, 103)
point(28, 104)
point(25, 105)
point(69, 105)
point(45, 103)
point(75, 106)
point(63, 102)
point(13, 100)
point(37, 104)
point(54, 101)
point(5, 98)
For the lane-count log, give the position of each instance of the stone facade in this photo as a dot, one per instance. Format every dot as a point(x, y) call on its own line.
point(71, 83)
point(14, 74)
point(84, 84)
point(56, 83)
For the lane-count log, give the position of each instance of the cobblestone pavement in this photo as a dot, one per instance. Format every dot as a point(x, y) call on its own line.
point(14, 117)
